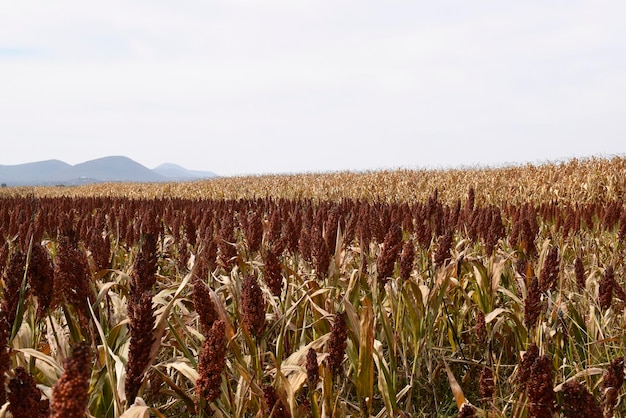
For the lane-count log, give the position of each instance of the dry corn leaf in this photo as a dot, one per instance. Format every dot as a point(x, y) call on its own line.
point(183, 366)
point(459, 397)
point(591, 371)
point(50, 368)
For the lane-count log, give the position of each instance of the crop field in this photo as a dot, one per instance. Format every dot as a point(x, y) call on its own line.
point(468, 292)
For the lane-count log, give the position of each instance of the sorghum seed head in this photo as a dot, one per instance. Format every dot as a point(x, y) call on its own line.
point(25, 397)
point(275, 406)
point(579, 271)
point(41, 277)
point(487, 385)
point(443, 251)
point(203, 304)
point(253, 306)
point(578, 402)
point(550, 272)
point(312, 368)
point(211, 363)
point(525, 364)
point(541, 396)
point(467, 411)
point(71, 392)
point(407, 258)
point(612, 381)
point(481, 327)
point(337, 344)
point(141, 315)
point(532, 304)
point(273, 273)
point(605, 290)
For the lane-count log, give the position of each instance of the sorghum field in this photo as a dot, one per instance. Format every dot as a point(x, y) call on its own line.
point(470, 292)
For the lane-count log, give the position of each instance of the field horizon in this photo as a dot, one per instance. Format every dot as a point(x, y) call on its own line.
point(575, 180)
point(469, 292)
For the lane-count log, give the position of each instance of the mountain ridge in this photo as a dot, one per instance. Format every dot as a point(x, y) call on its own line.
point(115, 168)
point(176, 171)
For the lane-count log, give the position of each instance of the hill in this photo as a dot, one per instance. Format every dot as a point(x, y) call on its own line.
point(106, 169)
point(174, 171)
point(116, 168)
point(31, 173)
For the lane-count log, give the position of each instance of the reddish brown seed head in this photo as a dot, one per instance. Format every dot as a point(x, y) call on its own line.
point(25, 397)
point(203, 303)
point(578, 402)
point(253, 306)
point(550, 272)
point(273, 272)
point(407, 260)
point(480, 328)
point(579, 270)
point(487, 384)
point(312, 368)
point(337, 344)
point(443, 250)
point(532, 304)
point(211, 363)
point(275, 406)
point(605, 290)
point(541, 396)
point(526, 363)
point(71, 392)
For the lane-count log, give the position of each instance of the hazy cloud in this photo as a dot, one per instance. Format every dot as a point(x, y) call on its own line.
point(252, 86)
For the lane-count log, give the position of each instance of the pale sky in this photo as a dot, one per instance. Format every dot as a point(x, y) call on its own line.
point(276, 86)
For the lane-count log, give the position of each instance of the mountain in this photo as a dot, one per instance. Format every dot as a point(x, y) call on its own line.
point(115, 168)
point(174, 171)
point(30, 172)
point(106, 169)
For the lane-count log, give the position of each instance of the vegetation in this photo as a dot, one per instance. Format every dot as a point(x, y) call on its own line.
point(443, 293)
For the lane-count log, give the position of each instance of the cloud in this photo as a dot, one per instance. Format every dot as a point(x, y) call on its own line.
point(356, 84)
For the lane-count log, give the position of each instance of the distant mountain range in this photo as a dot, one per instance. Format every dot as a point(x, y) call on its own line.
point(107, 169)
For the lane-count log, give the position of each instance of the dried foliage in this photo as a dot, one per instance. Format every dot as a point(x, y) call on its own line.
point(467, 411)
point(222, 298)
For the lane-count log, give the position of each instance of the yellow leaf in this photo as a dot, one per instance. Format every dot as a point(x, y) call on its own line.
point(459, 397)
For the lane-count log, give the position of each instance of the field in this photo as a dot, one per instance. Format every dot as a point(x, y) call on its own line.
point(469, 292)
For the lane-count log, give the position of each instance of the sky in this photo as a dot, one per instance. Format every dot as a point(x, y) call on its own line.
point(287, 86)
